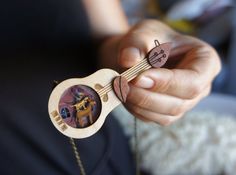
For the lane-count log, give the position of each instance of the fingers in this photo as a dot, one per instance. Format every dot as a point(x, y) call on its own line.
point(140, 39)
point(157, 113)
point(193, 74)
point(183, 83)
point(156, 102)
point(202, 59)
point(129, 57)
point(164, 95)
point(133, 48)
point(148, 116)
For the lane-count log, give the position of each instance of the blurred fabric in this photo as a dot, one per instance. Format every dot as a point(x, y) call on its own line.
point(42, 41)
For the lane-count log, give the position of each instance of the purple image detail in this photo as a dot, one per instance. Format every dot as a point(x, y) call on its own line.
point(80, 106)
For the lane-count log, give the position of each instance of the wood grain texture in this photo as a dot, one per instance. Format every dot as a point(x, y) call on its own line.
point(121, 88)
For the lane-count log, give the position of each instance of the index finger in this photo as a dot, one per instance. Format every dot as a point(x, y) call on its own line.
point(194, 73)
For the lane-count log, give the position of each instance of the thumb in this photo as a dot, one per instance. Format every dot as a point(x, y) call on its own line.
point(129, 56)
point(133, 48)
point(140, 40)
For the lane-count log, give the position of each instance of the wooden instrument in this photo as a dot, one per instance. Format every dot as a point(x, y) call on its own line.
point(78, 107)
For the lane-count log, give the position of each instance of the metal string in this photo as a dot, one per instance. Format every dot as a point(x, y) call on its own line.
point(143, 65)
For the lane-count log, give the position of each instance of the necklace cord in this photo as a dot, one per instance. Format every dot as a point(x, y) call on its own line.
point(132, 71)
point(77, 156)
point(136, 146)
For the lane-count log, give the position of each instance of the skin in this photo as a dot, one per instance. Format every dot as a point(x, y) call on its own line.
point(160, 95)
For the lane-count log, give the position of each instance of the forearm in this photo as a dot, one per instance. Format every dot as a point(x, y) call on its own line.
point(107, 22)
point(106, 18)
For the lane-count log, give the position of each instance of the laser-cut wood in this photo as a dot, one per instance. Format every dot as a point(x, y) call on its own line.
point(121, 88)
point(96, 95)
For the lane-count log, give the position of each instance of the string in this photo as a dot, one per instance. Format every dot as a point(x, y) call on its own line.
point(104, 89)
point(133, 74)
point(130, 73)
point(138, 67)
point(151, 60)
point(134, 67)
point(126, 74)
point(144, 61)
point(108, 87)
point(129, 77)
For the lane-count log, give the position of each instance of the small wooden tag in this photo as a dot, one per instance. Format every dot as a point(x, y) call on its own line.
point(158, 56)
point(121, 88)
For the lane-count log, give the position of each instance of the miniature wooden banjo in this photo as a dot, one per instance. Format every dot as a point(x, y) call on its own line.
point(78, 107)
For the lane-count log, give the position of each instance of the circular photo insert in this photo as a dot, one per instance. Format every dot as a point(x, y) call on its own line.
point(80, 106)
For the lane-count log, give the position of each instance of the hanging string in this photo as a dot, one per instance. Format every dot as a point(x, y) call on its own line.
point(136, 146)
point(77, 156)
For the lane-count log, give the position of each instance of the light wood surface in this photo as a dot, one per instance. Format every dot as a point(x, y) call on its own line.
point(102, 77)
point(102, 82)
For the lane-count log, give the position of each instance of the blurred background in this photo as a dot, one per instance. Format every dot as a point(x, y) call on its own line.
point(204, 141)
point(213, 21)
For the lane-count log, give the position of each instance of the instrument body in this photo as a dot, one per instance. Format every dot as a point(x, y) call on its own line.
point(78, 107)
point(103, 105)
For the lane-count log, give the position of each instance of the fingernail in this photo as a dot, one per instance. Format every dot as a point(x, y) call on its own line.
point(129, 56)
point(145, 82)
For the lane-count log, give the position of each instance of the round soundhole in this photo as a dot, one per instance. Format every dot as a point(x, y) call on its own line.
point(80, 106)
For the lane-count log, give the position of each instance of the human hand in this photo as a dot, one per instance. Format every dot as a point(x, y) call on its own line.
point(163, 95)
